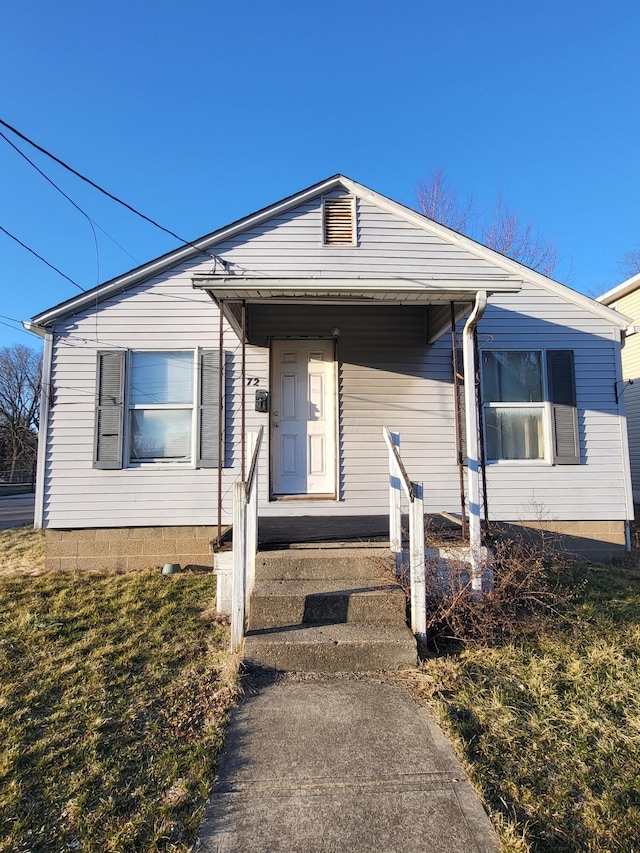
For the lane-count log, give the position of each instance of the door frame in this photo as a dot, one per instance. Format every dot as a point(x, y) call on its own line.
point(273, 496)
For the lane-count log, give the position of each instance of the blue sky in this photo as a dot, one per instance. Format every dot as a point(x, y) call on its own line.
point(198, 113)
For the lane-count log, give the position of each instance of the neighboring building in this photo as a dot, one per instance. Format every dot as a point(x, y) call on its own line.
point(625, 298)
point(337, 304)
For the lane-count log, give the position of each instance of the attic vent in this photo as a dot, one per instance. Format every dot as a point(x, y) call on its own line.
point(339, 221)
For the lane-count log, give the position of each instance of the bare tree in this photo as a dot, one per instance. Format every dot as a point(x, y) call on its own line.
point(20, 378)
point(631, 262)
point(503, 231)
point(440, 202)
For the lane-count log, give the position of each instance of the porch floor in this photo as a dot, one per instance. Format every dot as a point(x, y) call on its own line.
point(370, 530)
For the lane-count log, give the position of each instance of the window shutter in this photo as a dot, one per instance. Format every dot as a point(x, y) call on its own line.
point(209, 405)
point(109, 422)
point(562, 394)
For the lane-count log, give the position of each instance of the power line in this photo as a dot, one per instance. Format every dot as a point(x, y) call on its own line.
point(15, 328)
point(91, 221)
point(44, 261)
point(110, 195)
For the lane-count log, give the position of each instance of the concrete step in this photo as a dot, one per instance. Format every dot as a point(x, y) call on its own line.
point(323, 564)
point(331, 648)
point(278, 603)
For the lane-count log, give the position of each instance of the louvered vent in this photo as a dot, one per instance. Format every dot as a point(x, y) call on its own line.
point(339, 222)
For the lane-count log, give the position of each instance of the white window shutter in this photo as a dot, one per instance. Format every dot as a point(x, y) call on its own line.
point(109, 422)
point(562, 395)
point(208, 409)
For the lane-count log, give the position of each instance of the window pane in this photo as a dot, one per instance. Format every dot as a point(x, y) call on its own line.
point(514, 433)
point(161, 377)
point(160, 434)
point(512, 377)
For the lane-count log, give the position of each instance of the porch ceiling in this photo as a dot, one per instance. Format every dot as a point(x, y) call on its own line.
point(355, 290)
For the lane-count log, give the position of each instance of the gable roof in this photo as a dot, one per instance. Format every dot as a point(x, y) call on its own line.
point(203, 245)
point(620, 290)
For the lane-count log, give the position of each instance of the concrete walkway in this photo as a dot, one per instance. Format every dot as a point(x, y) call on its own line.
point(340, 765)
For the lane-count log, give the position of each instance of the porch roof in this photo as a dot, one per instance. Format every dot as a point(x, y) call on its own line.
point(354, 289)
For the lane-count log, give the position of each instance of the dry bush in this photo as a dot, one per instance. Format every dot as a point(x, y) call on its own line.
point(527, 586)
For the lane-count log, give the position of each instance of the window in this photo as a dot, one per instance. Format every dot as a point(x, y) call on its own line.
point(165, 410)
point(512, 401)
point(528, 395)
point(161, 398)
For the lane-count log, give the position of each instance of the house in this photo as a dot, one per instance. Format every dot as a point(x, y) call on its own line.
point(323, 319)
point(626, 299)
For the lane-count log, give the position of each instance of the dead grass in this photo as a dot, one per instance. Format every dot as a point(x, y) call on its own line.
point(548, 725)
point(21, 551)
point(114, 696)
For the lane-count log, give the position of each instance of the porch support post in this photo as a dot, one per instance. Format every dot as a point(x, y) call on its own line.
point(472, 429)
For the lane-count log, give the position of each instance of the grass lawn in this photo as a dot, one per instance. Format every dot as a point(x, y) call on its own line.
point(115, 691)
point(549, 727)
point(114, 695)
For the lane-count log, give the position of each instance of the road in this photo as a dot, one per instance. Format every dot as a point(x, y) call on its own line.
point(16, 510)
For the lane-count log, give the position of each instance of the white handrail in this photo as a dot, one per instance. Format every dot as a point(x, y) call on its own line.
point(399, 482)
point(245, 542)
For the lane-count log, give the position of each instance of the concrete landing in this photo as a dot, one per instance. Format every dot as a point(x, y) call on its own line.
point(340, 766)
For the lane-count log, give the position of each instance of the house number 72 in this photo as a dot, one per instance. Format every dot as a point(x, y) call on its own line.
point(253, 380)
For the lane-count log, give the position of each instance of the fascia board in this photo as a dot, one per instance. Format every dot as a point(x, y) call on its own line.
point(174, 257)
point(364, 283)
point(167, 261)
point(510, 266)
point(620, 290)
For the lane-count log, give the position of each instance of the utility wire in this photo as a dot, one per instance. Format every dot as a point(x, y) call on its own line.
point(44, 261)
point(68, 198)
point(108, 194)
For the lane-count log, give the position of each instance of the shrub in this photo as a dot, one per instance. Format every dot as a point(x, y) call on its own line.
point(523, 584)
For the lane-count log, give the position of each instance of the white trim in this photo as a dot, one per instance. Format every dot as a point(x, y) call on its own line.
point(43, 430)
point(624, 434)
point(620, 290)
point(352, 290)
point(543, 404)
point(487, 254)
point(193, 407)
point(172, 258)
point(513, 268)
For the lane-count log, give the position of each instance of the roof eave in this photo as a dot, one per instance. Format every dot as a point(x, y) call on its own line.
point(141, 273)
point(620, 290)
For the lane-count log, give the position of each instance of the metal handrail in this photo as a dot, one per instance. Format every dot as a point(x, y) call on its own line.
point(398, 476)
point(254, 460)
point(393, 448)
point(245, 545)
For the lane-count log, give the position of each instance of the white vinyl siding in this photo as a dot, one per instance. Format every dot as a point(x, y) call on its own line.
point(387, 376)
point(595, 489)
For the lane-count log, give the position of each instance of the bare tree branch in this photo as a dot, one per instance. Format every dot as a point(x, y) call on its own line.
point(631, 262)
point(20, 378)
point(440, 202)
point(503, 231)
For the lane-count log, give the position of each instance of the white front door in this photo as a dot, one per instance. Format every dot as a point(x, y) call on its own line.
point(303, 418)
